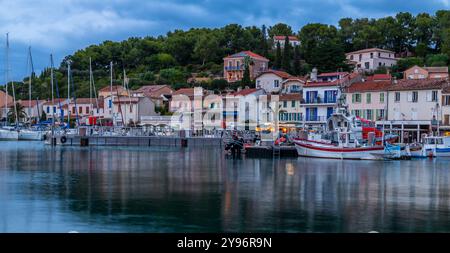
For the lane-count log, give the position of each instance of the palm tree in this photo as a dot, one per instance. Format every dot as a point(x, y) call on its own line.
point(21, 114)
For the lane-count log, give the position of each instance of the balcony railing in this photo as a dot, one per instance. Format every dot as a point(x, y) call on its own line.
point(319, 100)
point(315, 118)
point(231, 68)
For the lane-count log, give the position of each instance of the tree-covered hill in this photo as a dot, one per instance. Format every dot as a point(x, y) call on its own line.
point(171, 59)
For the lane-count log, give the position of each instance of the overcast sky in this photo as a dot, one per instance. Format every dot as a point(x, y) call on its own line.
point(61, 27)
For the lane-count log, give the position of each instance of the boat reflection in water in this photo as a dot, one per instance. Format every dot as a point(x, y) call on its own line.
point(61, 189)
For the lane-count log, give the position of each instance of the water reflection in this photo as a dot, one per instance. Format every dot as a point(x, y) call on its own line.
point(45, 189)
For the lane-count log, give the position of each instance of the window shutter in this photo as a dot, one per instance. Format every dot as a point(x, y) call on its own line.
point(410, 96)
point(353, 98)
point(429, 96)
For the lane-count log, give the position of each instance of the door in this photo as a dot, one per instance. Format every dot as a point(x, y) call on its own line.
point(446, 119)
point(329, 111)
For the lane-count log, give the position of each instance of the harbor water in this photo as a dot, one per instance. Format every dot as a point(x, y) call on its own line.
point(172, 189)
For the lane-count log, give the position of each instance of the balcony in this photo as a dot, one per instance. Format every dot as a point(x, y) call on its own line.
point(234, 68)
point(319, 101)
point(315, 118)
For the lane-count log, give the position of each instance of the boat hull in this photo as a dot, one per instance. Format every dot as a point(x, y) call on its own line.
point(9, 135)
point(27, 135)
point(309, 149)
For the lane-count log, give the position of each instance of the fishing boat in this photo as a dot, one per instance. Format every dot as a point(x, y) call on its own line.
point(30, 134)
point(437, 146)
point(341, 140)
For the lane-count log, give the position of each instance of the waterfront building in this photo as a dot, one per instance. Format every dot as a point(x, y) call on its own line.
point(242, 101)
point(234, 65)
point(108, 94)
point(129, 110)
point(55, 108)
point(417, 72)
point(32, 108)
point(371, 59)
point(368, 99)
point(445, 108)
point(320, 95)
point(82, 108)
point(290, 112)
point(413, 108)
point(293, 41)
point(160, 94)
point(3, 97)
point(272, 80)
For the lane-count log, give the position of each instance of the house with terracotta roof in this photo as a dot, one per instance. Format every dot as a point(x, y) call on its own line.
point(290, 110)
point(293, 85)
point(3, 97)
point(55, 107)
point(128, 110)
point(83, 108)
point(321, 94)
point(413, 107)
point(32, 108)
point(293, 41)
point(371, 59)
point(368, 99)
point(445, 107)
point(234, 65)
point(416, 72)
point(160, 94)
point(272, 80)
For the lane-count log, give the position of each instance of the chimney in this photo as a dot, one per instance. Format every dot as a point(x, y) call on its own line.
point(314, 74)
point(394, 80)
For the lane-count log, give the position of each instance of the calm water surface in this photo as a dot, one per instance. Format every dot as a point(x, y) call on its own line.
point(99, 189)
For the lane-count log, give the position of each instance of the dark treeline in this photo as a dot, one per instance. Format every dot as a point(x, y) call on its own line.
point(171, 59)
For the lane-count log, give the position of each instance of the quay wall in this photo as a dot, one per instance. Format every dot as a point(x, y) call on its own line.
point(149, 141)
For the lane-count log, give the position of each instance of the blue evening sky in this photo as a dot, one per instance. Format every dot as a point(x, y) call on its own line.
point(64, 26)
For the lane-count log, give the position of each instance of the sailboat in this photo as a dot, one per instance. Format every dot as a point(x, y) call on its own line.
point(31, 134)
point(8, 133)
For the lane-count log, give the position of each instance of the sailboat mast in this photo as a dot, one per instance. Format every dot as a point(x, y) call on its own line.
point(29, 82)
point(68, 92)
point(6, 79)
point(90, 86)
point(111, 91)
point(12, 83)
point(52, 86)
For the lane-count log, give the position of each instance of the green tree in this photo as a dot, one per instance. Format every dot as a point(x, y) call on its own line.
point(206, 48)
point(437, 60)
point(286, 62)
point(172, 76)
point(297, 66)
point(246, 81)
point(264, 47)
point(280, 29)
point(421, 49)
point(278, 57)
point(21, 114)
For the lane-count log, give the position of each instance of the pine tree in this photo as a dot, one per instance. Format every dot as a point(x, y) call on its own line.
point(286, 62)
point(277, 63)
point(265, 50)
point(297, 68)
point(246, 81)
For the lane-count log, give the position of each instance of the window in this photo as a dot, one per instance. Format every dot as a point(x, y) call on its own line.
point(54, 109)
point(276, 83)
point(415, 96)
point(434, 96)
point(397, 97)
point(293, 103)
point(379, 54)
point(416, 71)
point(379, 64)
point(446, 100)
point(48, 109)
point(74, 110)
point(367, 65)
point(421, 76)
point(369, 114)
point(351, 57)
point(369, 98)
point(356, 98)
point(87, 109)
point(360, 57)
point(379, 114)
point(371, 55)
point(357, 113)
point(382, 97)
point(80, 109)
point(131, 107)
point(284, 104)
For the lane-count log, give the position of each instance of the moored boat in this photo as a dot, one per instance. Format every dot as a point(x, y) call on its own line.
point(437, 146)
point(9, 134)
